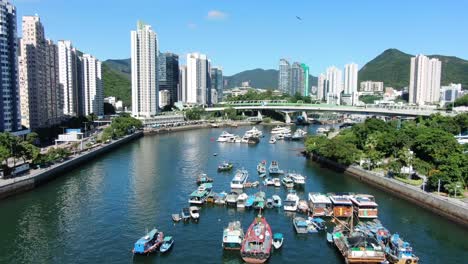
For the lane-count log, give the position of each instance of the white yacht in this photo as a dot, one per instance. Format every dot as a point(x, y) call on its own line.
point(297, 178)
point(254, 132)
point(239, 179)
point(241, 199)
point(290, 204)
point(225, 137)
point(245, 139)
point(281, 130)
point(272, 140)
point(323, 130)
point(237, 139)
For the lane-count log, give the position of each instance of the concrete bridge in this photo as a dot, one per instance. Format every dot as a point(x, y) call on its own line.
point(284, 106)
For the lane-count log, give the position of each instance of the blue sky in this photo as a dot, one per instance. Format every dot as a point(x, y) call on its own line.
point(246, 34)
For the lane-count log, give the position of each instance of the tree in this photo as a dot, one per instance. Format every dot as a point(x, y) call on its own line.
point(194, 113)
point(32, 138)
point(230, 113)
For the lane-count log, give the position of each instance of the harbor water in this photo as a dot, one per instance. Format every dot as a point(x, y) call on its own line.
point(96, 212)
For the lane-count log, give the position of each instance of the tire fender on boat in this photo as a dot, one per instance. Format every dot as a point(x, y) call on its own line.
point(408, 261)
point(261, 256)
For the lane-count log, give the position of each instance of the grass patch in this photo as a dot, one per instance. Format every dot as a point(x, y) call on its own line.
point(417, 182)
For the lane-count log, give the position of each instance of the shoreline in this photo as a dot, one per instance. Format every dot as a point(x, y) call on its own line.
point(454, 211)
point(20, 184)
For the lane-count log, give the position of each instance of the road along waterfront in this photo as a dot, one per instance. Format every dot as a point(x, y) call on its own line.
point(96, 212)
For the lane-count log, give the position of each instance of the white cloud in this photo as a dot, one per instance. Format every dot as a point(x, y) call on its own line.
point(216, 15)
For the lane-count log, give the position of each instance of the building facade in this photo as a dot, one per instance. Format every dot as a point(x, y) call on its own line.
point(93, 93)
point(69, 77)
point(425, 75)
point(144, 56)
point(305, 80)
point(164, 98)
point(10, 115)
point(183, 83)
point(217, 84)
point(297, 78)
point(371, 86)
point(284, 76)
point(334, 85)
point(169, 75)
point(198, 79)
point(351, 82)
point(54, 91)
point(321, 86)
point(449, 93)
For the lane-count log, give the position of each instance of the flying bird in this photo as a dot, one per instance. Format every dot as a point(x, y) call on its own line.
point(299, 18)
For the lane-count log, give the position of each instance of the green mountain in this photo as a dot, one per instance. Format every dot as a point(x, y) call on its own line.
point(393, 68)
point(117, 82)
point(259, 78)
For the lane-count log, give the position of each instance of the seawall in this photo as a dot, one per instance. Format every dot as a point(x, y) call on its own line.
point(454, 210)
point(9, 187)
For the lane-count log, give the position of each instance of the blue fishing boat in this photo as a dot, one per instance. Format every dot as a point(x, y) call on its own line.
point(249, 202)
point(148, 243)
point(319, 223)
point(278, 240)
point(167, 244)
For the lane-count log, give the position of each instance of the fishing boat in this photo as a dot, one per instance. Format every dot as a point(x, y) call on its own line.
point(176, 217)
point(287, 182)
point(319, 223)
point(254, 132)
point(274, 168)
point(211, 197)
point(299, 134)
point(278, 240)
point(257, 242)
point(239, 179)
point(365, 206)
point(232, 236)
point(280, 130)
point(302, 206)
point(400, 252)
point(231, 198)
point(206, 187)
point(297, 178)
point(194, 212)
point(167, 244)
point(300, 225)
point(148, 243)
point(290, 204)
point(276, 201)
point(262, 175)
point(320, 204)
point(199, 196)
point(276, 182)
point(185, 213)
point(249, 202)
point(269, 203)
point(225, 137)
point(261, 167)
point(220, 198)
point(342, 205)
point(272, 140)
point(268, 181)
point(241, 199)
point(203, 178)
point(259, 202)
point(225, 166)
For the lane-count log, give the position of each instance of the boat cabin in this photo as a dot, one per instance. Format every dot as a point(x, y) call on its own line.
point(320, 204)
point(145, 244)
point(198, 197)
point(342, 205)
point(365, 206)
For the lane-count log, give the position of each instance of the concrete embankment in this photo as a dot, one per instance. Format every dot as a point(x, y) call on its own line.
point(452, 209)
point(9, 187)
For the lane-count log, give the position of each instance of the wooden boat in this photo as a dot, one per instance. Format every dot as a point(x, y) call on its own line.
point(233, 236)
point(278, 240)
point(300, 225)
point(225, 166)
point(276, 201)
point(342, 205)
point(194, 212)
point(148, 243)
point(203, 178)
point(400, 252)
point(199, 196)
point(176, 217)
point(185, 213)
point(261, 167)
point(257, 242)
point(320, 204)
point(167, 244)
point(365, 206)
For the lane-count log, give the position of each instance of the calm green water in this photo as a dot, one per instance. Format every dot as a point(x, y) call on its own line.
point(96, 212)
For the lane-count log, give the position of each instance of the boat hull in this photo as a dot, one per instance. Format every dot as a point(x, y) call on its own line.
point(231, 246)
point(255, 260)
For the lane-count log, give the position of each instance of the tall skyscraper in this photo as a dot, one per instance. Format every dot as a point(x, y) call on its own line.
point(334, 84)
point(93, 93)
point(297, 78)
point(284, 76)
point(217, 83)
point(38, 77)
point(198, 79)
point(425, 77)
point(69, 77)
point(169, 74)
point(183, 83)
point(351, 81)
point(305, 80)
point(321, 85)
point(10, 117)
point(144, 71)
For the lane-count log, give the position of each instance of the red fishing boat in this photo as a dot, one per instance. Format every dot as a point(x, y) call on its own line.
point(257, 242)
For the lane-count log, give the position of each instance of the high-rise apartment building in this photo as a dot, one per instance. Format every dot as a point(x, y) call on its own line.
point(10, 116)
point(69, 77)
point(321, 86)
point(144, 53)
point(284, 76)
point(351, 82)
point(334, 85)
point(198, 79)
point(425, 77)
point(217, 83)
point(305, 80)
point(54, 91)
point(93, 93)
point(169, 74)
point(297, 78)
point(183, 83)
